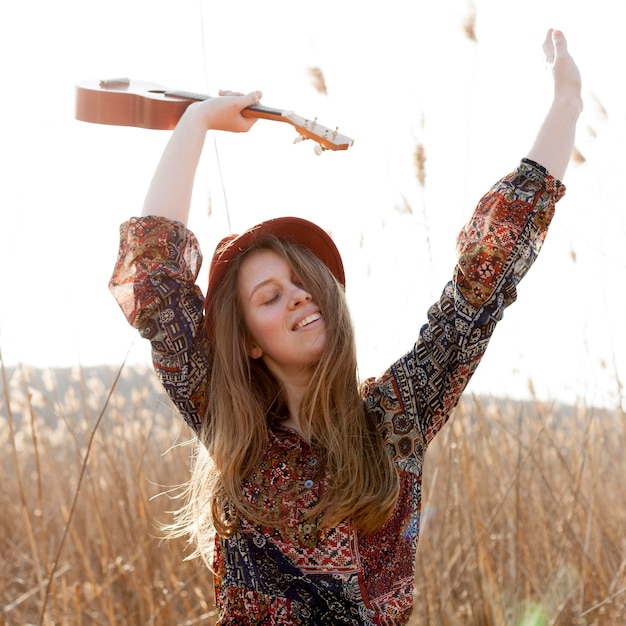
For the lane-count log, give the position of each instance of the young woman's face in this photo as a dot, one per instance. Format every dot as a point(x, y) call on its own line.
point(287, 328)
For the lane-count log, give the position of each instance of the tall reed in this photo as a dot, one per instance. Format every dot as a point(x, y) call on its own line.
point(523, 518)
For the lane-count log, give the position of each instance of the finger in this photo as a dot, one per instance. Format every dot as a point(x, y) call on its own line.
point(254, 97)
point(548, 48)
point(227, 92)
point(560, 43)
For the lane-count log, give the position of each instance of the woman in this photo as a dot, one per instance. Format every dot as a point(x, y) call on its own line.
point(306, 492)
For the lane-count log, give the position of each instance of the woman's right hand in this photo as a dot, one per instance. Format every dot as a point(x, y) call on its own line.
point(224, 111)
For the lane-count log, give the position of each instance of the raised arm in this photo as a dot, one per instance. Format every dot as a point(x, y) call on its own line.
point(555, 140)
point(170, 191)
point(495, 249)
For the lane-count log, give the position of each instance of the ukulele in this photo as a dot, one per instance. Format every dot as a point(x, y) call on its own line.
point(124, 102)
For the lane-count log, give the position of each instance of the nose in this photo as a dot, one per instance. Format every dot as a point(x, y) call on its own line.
point(300, 296)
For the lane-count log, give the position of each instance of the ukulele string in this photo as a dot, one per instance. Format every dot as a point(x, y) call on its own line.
point(215, 147)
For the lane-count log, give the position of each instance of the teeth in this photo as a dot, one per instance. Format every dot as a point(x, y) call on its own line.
point(307, 320)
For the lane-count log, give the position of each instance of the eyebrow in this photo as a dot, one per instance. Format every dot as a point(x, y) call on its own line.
point(260, 285)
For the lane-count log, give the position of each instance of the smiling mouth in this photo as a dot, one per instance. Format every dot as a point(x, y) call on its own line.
point(309, 319)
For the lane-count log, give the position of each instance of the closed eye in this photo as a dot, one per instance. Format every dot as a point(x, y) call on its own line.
point(270, 298)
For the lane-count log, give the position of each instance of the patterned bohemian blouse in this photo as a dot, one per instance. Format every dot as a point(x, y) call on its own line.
point(299, 573)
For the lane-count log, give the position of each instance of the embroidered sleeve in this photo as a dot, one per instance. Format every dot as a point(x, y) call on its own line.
point(496, 248)
point(154, 283)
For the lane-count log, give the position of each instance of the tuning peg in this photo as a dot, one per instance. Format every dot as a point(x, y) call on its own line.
point(318, 149)
point(299, 138)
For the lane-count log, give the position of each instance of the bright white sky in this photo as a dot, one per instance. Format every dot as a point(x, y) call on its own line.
point(398, 73)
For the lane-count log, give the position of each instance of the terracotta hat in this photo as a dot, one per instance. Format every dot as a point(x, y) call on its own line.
point(294, 229)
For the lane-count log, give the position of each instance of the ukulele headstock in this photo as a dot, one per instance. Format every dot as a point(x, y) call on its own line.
point(327, 138)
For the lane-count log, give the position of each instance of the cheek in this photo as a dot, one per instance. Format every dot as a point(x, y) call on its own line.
point(261, 326)
point(321, 342)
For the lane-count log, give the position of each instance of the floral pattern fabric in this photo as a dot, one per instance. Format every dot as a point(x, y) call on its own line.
point(300, 573)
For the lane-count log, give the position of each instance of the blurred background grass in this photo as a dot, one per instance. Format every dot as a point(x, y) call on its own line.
point(523, 520)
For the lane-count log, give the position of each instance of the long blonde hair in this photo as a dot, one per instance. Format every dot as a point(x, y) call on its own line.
point(364, 484)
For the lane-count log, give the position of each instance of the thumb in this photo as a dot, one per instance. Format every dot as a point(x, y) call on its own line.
point(254, 97)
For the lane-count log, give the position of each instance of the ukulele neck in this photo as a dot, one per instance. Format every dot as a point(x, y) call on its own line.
point(258, 109)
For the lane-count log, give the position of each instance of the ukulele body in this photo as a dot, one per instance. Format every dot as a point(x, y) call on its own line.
point(136, 103)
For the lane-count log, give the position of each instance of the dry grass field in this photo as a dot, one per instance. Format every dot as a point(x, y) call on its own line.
point(524, 512)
